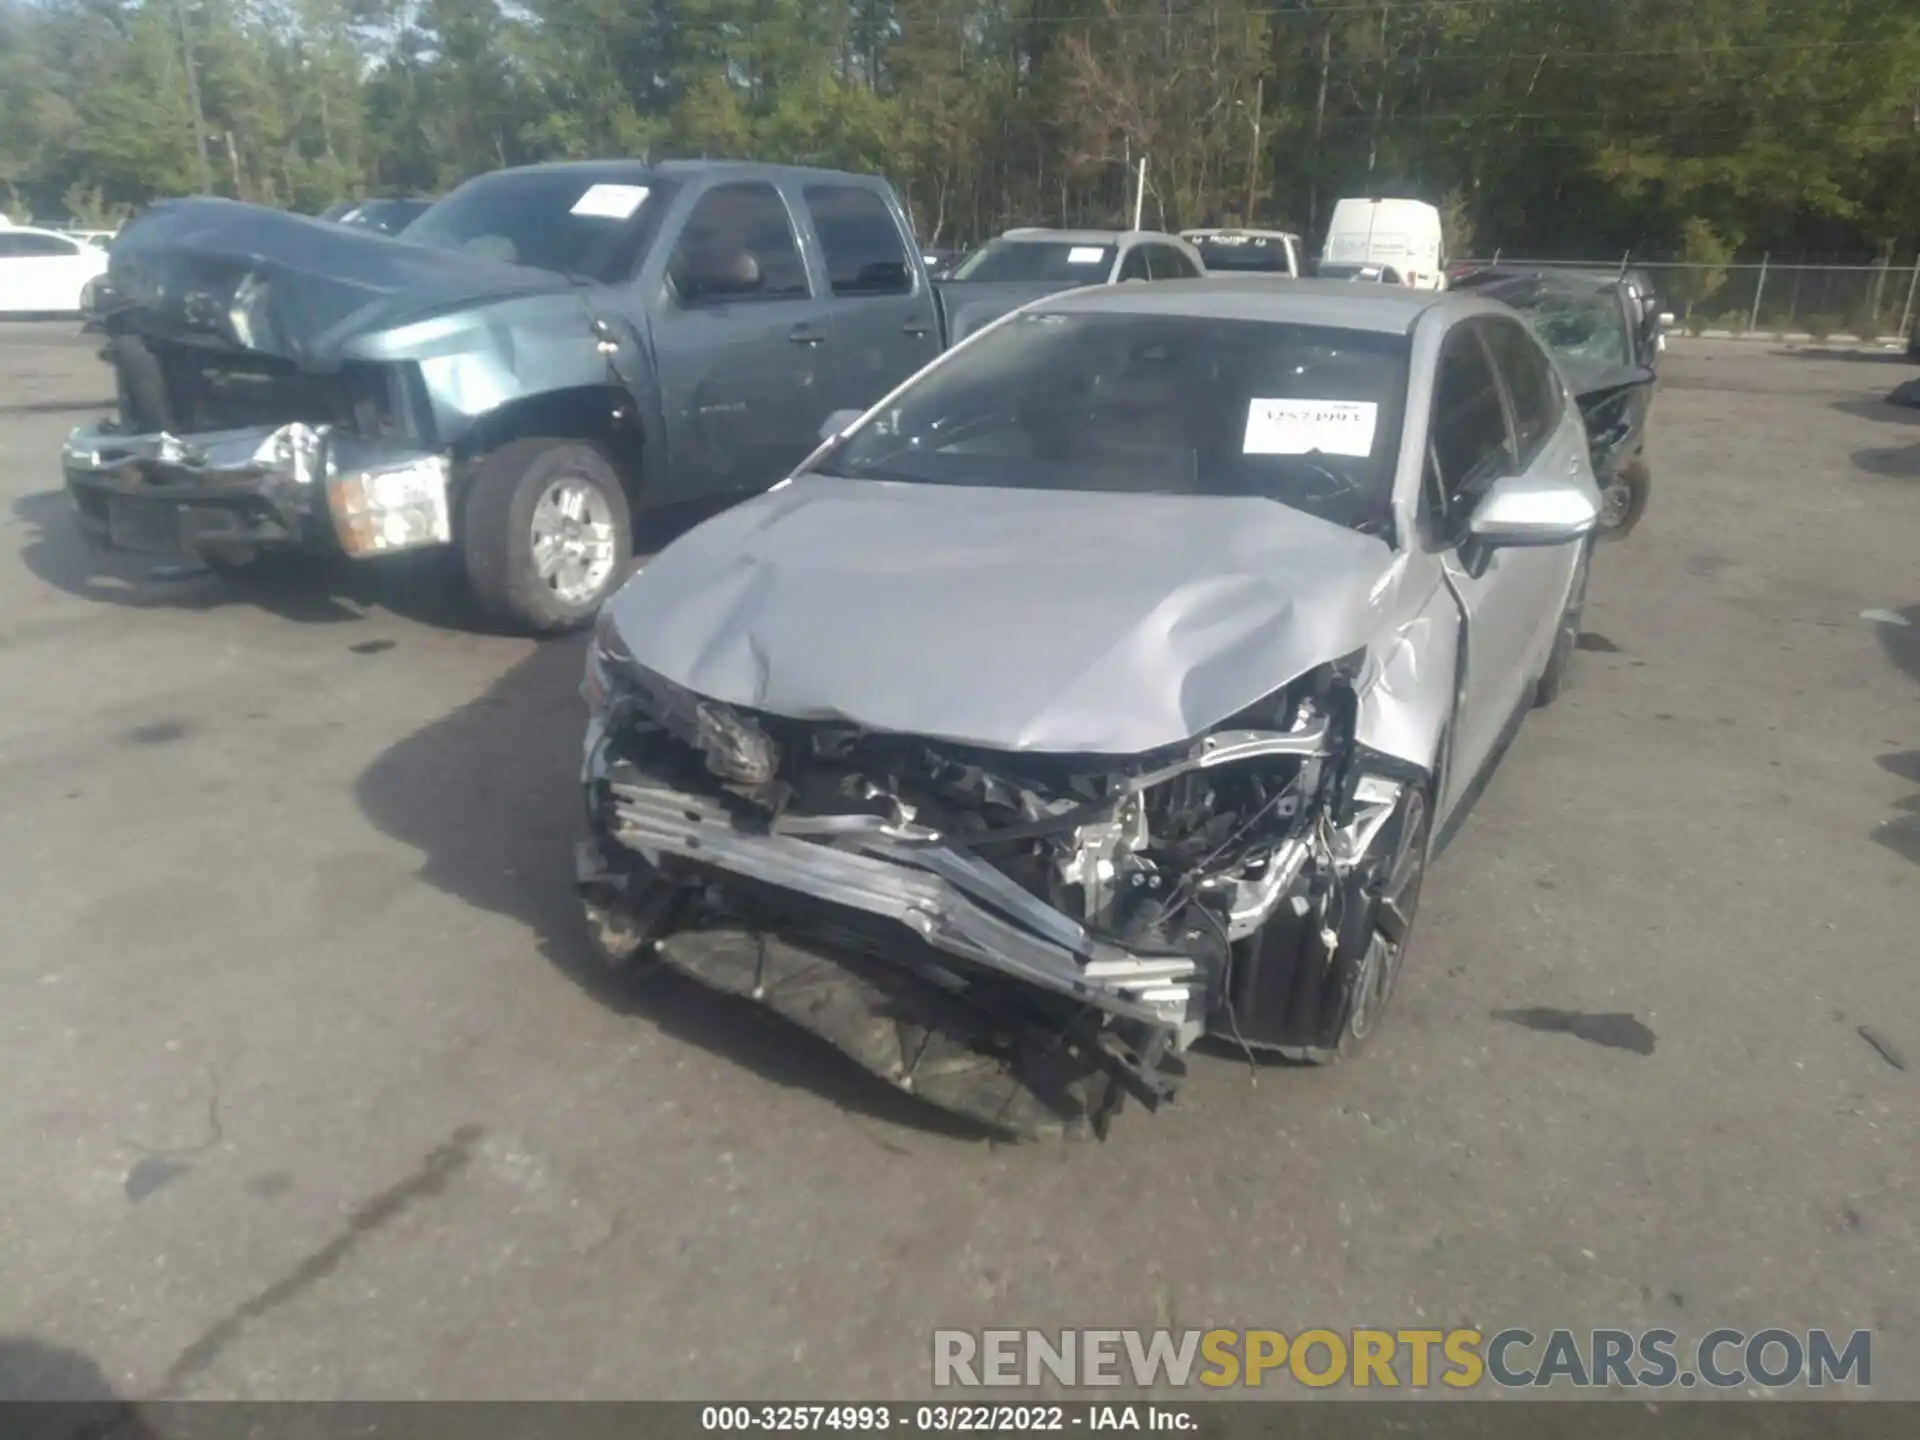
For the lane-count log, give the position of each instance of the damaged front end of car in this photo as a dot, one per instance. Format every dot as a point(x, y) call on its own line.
point(1026, 940)
point(229, 493)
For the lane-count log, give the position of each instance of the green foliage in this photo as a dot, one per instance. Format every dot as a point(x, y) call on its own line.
point(87, 209)
point(1821, 327)
point(1702, 249)
point(1664, 127)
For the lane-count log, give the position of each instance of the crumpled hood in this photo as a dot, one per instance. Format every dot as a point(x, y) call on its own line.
point(307, 288)
point(1012, 619)
point(1595, 381)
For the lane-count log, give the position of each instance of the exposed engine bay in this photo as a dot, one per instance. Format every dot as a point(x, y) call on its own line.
point(1024, 939)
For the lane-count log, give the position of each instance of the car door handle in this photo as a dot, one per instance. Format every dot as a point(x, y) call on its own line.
point(918, 326)
point(804, 334)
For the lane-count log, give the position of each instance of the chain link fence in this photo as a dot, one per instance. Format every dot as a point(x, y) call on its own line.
point(1869, 303)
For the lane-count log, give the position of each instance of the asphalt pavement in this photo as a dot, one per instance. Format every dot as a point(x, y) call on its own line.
point(310, 1091)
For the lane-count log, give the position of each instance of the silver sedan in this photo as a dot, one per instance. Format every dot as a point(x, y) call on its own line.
point(1107, 685)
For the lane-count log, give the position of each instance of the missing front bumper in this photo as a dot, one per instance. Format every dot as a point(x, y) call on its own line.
point(260, 487)
point(923, 965)
point(948, 899)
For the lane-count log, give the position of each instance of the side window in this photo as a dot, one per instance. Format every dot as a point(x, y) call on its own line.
point(1134, 267)
point(738, 244)
point(865, 255)
point(1169, 264)
point(44, 245)
point(10, 245)
point(1468, 444)
point(1530, 384)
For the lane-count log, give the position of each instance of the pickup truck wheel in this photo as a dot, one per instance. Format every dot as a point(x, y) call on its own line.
point(546, 534)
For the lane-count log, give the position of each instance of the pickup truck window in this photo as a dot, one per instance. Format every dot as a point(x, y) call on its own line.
point(865, 255)
point(739, 244)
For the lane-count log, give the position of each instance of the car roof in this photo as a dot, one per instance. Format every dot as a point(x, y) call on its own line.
point(1083, 237)
point(1338, 304)
point(1205, 230)
point(1567, 276)
point(639, 171)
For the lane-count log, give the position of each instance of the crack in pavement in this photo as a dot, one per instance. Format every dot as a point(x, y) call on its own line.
point(442, 1163)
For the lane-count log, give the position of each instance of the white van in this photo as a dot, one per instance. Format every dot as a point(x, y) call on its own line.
point(1403, 235)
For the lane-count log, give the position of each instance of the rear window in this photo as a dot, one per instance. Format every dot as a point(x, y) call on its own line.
point(1059, 260)
point(1260, 253)
point(585, 224)
point(1307, 416)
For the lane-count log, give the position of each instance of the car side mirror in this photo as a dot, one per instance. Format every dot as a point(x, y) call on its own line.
point(1527, 510)
point(838, 423)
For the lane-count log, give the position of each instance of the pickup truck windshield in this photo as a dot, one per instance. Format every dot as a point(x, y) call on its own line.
point(1038, 260)
point(578, 222)
point(1260, 253)
point(1305, 415)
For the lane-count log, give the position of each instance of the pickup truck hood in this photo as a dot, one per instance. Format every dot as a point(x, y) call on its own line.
point(1049, 621)
point(304, 289)
point(1596, 381)
point(972, 305)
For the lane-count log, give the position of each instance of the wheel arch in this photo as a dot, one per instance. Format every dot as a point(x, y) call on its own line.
point(603, 415)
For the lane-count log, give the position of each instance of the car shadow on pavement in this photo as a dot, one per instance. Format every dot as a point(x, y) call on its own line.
point(1901, 834)
point(490, 795)
point(306, 589)
point(427, 587)
point(52, 1393)
point(1842, 352)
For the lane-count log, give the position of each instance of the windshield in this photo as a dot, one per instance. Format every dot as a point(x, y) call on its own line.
point(577, 221)
point(1038, 260)
point(1153, 404)
point(1576, 322)
point(1243, 252)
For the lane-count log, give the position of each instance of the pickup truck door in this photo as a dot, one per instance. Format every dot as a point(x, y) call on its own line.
point(883, 322)
point(741, 346)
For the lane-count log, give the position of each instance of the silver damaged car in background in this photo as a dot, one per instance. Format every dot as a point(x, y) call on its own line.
point(1106, 686)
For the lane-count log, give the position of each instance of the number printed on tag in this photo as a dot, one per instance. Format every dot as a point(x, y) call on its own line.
point(1302, 427)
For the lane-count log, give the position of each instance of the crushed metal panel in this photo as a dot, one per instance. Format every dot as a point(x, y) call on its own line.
point(1107, 623)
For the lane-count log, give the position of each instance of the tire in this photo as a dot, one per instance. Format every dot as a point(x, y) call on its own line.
point(140, 387)
point(509, 490)
point(1372, 951)
point(1566, 640)
point(1637, 481)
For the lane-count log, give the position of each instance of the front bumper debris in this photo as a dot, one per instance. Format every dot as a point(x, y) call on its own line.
point(291, 485)
point(951, 900)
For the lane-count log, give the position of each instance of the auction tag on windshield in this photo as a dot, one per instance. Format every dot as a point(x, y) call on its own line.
point(1085, 255)
point(1300, 427)
point(611, 202)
